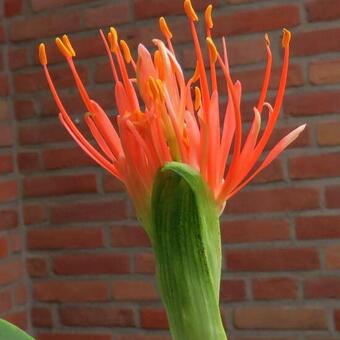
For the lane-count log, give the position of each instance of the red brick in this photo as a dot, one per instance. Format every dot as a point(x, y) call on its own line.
point(275, 288)
point(337, 319)
point(6, 138)
point(10, 272)
point(2, 33)
point(318, 227)
point(153, 318)
point(129, 236)
point(73, 336)
point(34, 214)
point(18, 58)
point(15, 241)
point(28, 161)
point(40, 5)
point(323, 10)
point(41, 317)
point(114, 14)
point(86, 212)
point(134, 291)
point(280, 318)
point(284, 199)
point(328, 133)
point(34, 81)
point(12, 7)
point(24, 109)
point(275, 259)
point(3, 246)
point(36, 266)
point(332, 194)
point(145, 263)
point(259, 20)
point(21, 294)
point(239, 52)
point(6, 164)
point(112, 184)
point(144, 9)
point(8, 191)
point(5, 301)
point(315, 166)
point(324, 72)
point(304, 43)
point(64, 238)
point(65, 158)
point(59, 185)
point(322, 287)
point(8, 219)
point(92, 264)
point(70, 291)
point(245, 231)
point(4, 87)
point(312, 103)
point(19, 319)
point(232, 290)
point(274, 171)
point(332, 256)
point(43, 26)
point(96, 316)
point(252, 79)
point(42, 133)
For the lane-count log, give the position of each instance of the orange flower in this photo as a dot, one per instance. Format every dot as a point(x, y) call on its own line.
point(171, 125)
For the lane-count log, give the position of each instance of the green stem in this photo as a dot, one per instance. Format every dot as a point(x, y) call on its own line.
point(186, 239)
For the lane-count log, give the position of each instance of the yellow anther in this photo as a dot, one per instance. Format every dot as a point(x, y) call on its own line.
point(126, 51)
point(198, 101)
point(208, 17)
point(266, 38)
point(196, 74)
point(42, 54)
point(113, 39)
point(67, 43)
point(165, 28)
point(153, 87)
point(63, 49)
point(189, 11)
point(286, 38)
point(160, 88)
point(212, 49)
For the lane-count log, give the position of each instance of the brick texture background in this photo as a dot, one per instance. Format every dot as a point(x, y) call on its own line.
point(75, 265)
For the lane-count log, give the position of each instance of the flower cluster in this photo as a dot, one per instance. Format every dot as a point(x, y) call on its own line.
point(176, 119)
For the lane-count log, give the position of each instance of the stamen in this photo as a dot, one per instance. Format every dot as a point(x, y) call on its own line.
point(153, 87)
point(63, 49)
point(42, 54)
point(113, 39)
point(198, 98)
point(160, 86)
point(68, 44)
point(165, 28)
point(196, 75)
point(189, 11)
point(286, 38)
point(208, 17)
point(212, 49)
point(126, 51)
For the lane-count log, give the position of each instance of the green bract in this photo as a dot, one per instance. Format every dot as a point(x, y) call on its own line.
point(11, 332)
point(185, 234)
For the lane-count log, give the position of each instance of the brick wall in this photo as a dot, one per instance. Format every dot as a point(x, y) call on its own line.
point(89, 263)
point(14, 284)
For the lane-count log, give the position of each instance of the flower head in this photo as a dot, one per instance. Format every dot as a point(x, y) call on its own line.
point(163, 117)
